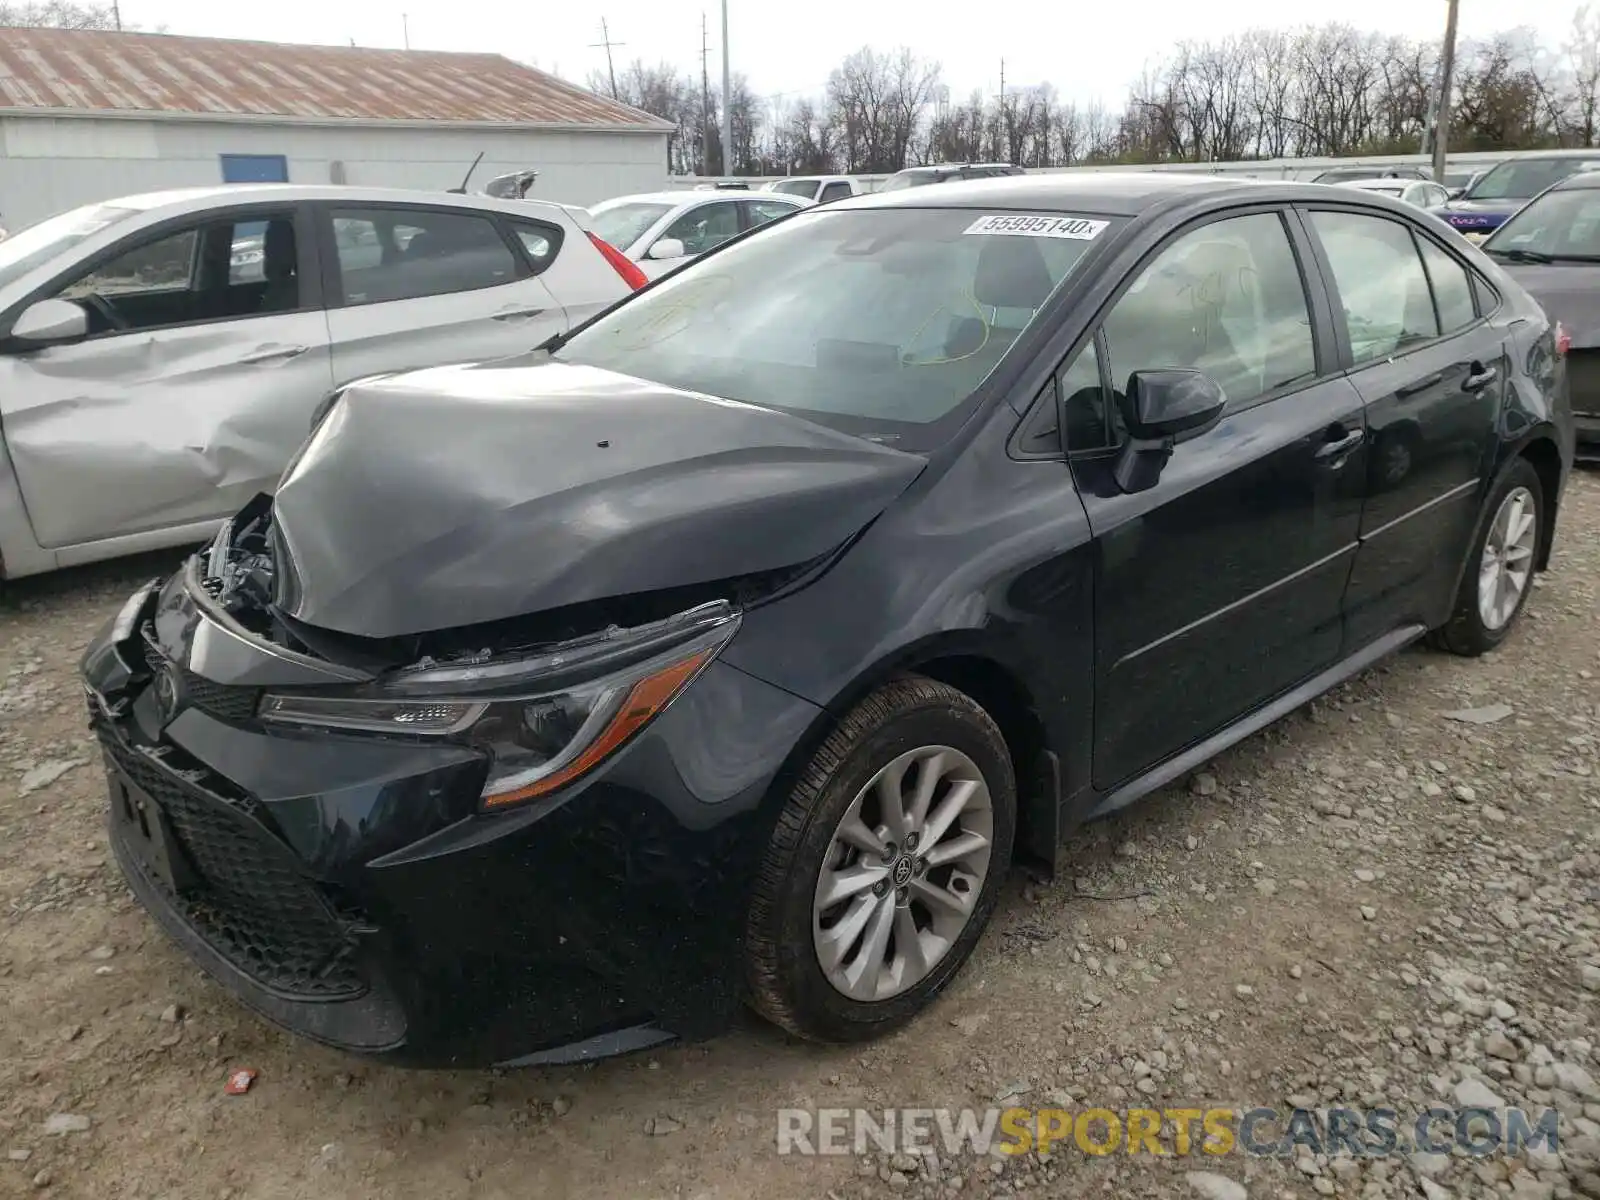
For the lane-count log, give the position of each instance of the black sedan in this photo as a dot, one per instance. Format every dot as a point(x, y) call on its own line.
point(732, 648)
point(1552, 248)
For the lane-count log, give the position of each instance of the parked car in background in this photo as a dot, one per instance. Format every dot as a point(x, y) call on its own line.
point(1375, 171)
point(947, 173)
point(744, 640)
point(1506, 187)
point(161, 355)
point(661, 231)
point(1419, 193)
point(1460, 179)
point(821, 188)
point(1551, 246)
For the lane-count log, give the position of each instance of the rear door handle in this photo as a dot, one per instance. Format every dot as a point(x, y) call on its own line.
point(277, 352)
point(1337, 450)
point(519, 314)
point(1479, 377)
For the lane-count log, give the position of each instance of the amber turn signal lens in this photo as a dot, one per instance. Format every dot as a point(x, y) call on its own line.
point(644, 700)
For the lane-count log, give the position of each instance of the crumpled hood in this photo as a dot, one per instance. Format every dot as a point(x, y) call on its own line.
point(1568, 292)
point(461, 495)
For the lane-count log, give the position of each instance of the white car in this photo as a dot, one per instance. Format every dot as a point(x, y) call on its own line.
point(1421, 193)
point(162, 356)
point(663, 230)
point(820, 188)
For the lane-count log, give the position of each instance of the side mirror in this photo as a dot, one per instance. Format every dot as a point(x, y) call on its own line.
point(50, 323)
point(667, 248)
point(1160, 409)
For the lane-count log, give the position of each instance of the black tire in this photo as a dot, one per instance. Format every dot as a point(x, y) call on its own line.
point(786, 981)
point(1465, 632)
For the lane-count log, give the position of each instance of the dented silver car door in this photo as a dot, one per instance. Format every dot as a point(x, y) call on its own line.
point(138, 430)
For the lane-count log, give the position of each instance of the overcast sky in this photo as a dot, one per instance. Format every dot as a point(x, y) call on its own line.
point(1088, 50)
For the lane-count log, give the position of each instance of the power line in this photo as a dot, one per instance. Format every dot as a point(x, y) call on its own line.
point(606, 41)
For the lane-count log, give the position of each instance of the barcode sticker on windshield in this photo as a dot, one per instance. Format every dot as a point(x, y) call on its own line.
point(1078, 229)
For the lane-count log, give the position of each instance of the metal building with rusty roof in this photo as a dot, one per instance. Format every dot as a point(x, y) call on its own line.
point(87, 114)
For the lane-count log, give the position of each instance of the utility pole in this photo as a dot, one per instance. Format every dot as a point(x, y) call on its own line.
point(1447, 67)
point(1005, 115)
point(405, 30)
point(727, 99)
point(116, 14)
point(705, 99)
point(606, 41)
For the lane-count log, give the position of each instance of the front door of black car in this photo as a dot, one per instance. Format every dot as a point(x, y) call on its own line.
point(1432, 374)
point(1222, 585)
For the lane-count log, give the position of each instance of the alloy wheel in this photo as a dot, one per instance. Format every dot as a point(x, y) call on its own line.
point(1507, 564)
point(903, 873)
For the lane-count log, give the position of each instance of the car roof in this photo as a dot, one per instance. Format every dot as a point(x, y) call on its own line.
point(1583, 181)
point(1376, 184)
point(1108, 193)
point(198, 199)
point(1118, 192)
point(682, 198)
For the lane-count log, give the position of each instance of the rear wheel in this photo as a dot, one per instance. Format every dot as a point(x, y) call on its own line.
point(885, 865)
point(1499, 575)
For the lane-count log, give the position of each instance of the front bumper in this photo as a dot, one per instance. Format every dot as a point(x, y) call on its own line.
point(347, 889)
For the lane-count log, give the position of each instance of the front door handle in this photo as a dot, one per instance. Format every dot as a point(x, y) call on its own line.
point(1479, 377)
point(1338, 449)
point(519, 314)
point(277, 352)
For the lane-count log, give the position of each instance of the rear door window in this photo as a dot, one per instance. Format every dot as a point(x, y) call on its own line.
point(1388, 307)
point(759, 212)
point(387, 254)
point(1452, 288)
point(837, 190)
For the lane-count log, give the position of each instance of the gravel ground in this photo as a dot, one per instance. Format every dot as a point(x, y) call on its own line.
point(1372, 903)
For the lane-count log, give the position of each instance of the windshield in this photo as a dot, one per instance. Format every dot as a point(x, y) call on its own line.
point(1528, 177)
point(797, 187)
point(38, 244)
point(908, 179)
point(879, 322)
point(622, 225)
point(1562, 224)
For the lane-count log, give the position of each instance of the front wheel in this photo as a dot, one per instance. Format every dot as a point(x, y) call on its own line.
point(884, 867)
point(1499, 574)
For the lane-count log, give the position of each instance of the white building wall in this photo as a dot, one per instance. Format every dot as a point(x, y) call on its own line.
point(48, 165)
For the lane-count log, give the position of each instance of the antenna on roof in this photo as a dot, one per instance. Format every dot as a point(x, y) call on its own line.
point(462, 190)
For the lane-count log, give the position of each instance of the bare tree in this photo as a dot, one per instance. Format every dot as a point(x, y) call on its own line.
point(58, 14)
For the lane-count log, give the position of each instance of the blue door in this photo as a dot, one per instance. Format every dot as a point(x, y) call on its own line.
point(255, 168)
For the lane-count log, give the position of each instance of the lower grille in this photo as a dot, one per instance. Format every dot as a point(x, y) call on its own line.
point(1583, 380)
point(251, 900)
point(221, 701)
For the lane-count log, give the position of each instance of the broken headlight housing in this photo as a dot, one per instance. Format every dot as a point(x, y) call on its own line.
point(545, 720)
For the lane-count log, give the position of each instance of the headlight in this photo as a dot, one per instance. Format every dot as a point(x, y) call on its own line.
point(545, 720)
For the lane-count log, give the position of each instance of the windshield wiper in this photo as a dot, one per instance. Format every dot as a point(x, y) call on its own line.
point(1529, 256)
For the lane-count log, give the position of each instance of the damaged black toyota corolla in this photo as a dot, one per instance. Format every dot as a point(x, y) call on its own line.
point(732, 650)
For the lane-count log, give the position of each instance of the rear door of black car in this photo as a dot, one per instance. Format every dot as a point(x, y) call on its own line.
point(1430, 370)
point(1221, 586)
